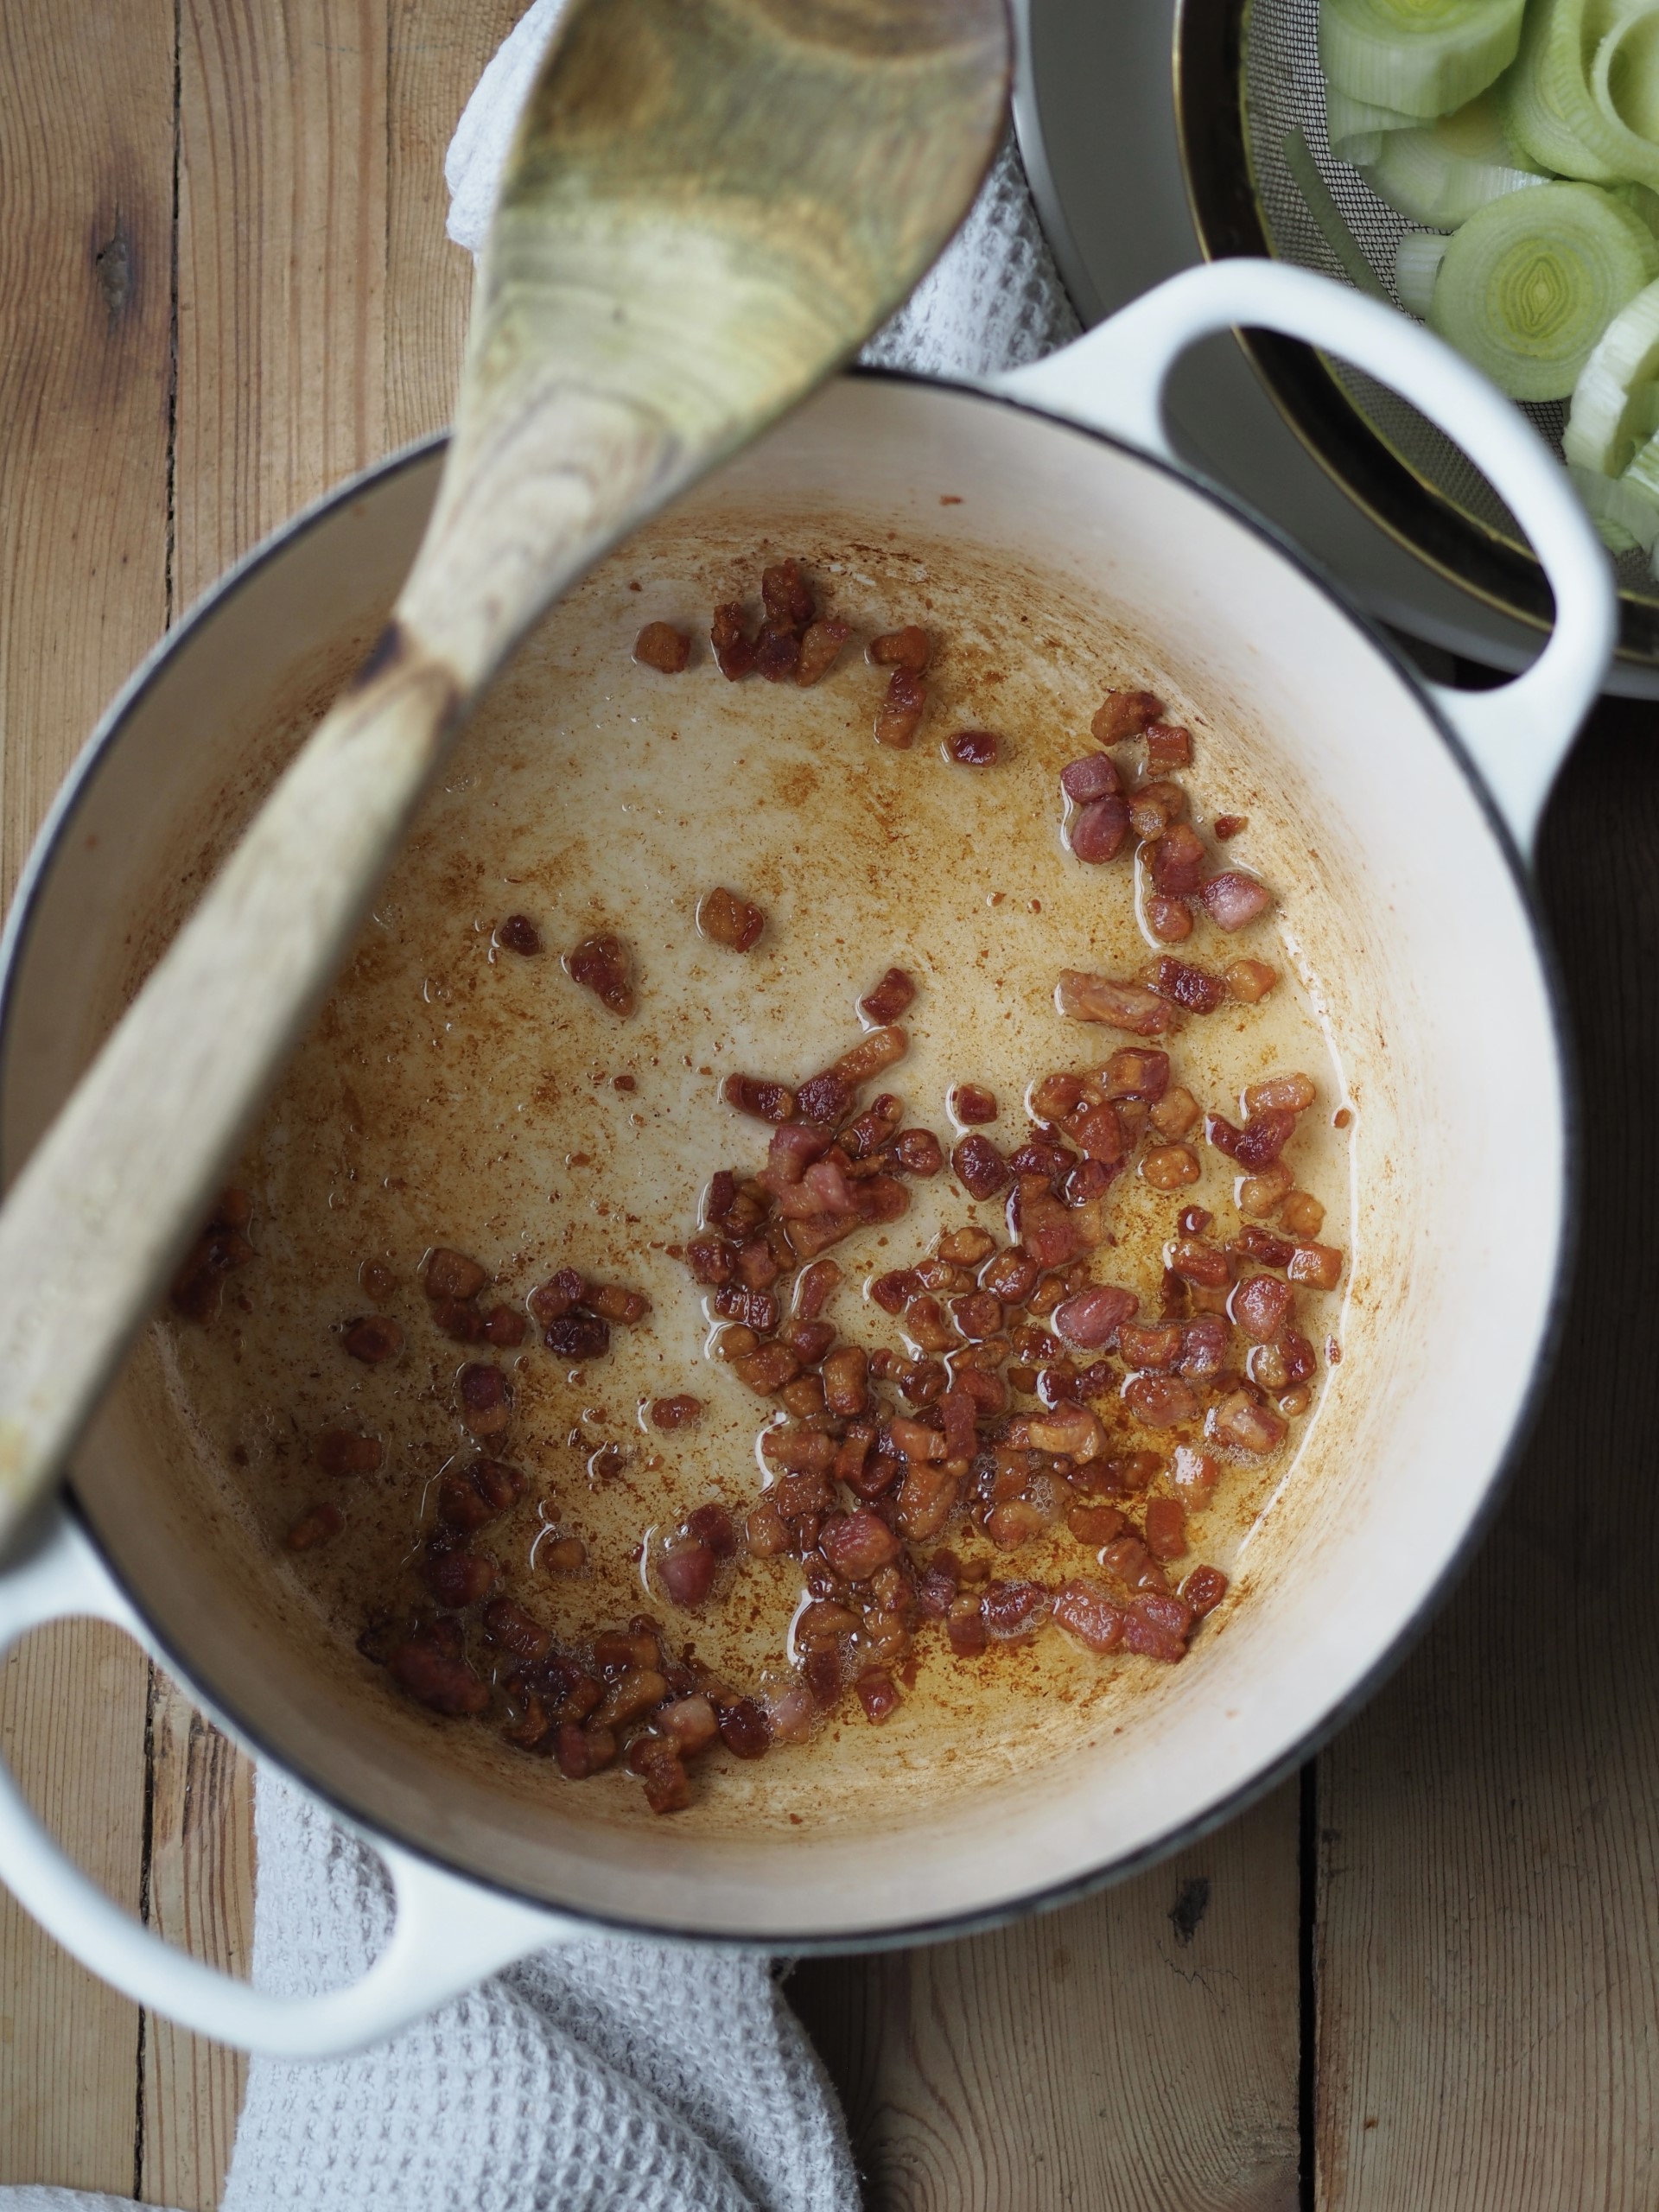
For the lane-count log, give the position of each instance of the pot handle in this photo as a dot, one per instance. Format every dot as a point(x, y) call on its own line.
point(1113, 379)
point(448, 1933)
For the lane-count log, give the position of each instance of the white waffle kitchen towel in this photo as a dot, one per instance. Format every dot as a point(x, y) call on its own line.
point(604, 2076)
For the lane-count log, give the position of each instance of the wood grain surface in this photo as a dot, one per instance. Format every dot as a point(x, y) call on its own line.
point(1424, 1977)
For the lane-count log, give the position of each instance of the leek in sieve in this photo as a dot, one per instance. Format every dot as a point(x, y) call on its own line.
point(1625, 513)
point(1440, 172)
point(1357, 128)
point(1416, 264)
point(1332, 223)
point(1551, 111)
point(1529, 284)
point(1422, 57)
point(1609, 400)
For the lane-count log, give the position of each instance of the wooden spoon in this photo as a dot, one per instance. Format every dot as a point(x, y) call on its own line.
point(710, 205)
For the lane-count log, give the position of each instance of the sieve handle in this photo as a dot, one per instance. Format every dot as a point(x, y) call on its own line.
point(448, 1933)
point(1113, 379)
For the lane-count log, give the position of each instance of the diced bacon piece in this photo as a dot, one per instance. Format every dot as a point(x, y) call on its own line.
point(857, 1544)
point(1175, 860)
point(1258, 1144)
point(1098, 830)
point(1165, 1527)
point(1094, 1317)
point(891, 997)
point(1068, 1429)
point(1185, 985)
point(451, 1274)
point(1082, 997)
point(661, 646)
point(877, 1695)
point(1232, 900)
point(1319, 1266)
point(1238, 1420)
point(1123, 715)
point(777, 655)
point(1204, 1345)
point(374, 1340)
point(973, 748)
point(436, 1679)
point(1150, 1345)
point(1203, 1590)
point(1195, 1474)
point(1168, 746)
point(600, 965)
point(1011, 1609)
point(906, 648)
point(1157, 1627)
point(690, 1723)
point(820, 644)
point(1087, 1611)
point(979, 1167)
point(1249, 981)
point(1135, 1073)
point(729, 919)
point(899, 715)
point(1293, 1093)
point(1170, 920)
point(1093, 777)
point(1160, 1400)
point(927, 1497)
point(1261, 1305)
point(734, 650)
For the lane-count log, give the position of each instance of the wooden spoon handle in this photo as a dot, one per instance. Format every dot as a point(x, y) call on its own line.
point(109, 1199)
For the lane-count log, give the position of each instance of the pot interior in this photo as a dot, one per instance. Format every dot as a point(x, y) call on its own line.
point(1066, 564)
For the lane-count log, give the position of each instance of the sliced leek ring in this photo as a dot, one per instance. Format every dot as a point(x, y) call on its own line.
point(1440, 172)
point(1420, 57)
point(1357, 128)
point(1529, 284)
point(1550, 110)
point(1416, 264)
point(1625, 512)
point(1610, 399)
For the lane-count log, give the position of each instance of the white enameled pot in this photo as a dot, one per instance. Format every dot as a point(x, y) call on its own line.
point(1394, 819)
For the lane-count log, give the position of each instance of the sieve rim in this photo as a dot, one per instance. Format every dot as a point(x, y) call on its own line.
point(1224, 201)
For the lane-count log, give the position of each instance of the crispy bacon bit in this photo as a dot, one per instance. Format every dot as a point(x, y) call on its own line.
point(677, 1412)
point(973, 748)
point(636, 1691)
point(485, 1400)
point(503, 1327)
point(582, 1751)
point(1259, 1305)
point(1134, 1072)
point(1168, 746)
point(1203, 1590)
point(820, 644)
point(338, 1451)
point(459, 1579)
point(1204, 1345)
point(1150, 1344)
point(972, 1104)
point(1193, 988)
point(876, 1694)
point(1158, 1627)
point(1319, 1266)
point(1098, 829)
point(1160, 1400)
point(766, 1102)
point(1174, 1114)
point(899, 715)
point(1258, 1144)
point(1249, 981)
point(778, 657)
point(1207, 1264)
point(1082, 997)
point(786, 596)
point(661, 646)
point(744, 1730)
point(908, 648)
point(376, 1280)
point(878, 1050)
point(1169, 1166)
point(470, 1497)
point(464, 1323)
point(1087, 1611)
point(891, 997)
point(734, 650)
point(599, 964)
point(1238, 1420)
point(1165, 1527)
point(965, 1626)
point(612, 1303)
point(894, 1291)
point(1153, 807)
point(1011, 1609)
point(1232, 900)
point(1293, 1093)
point(814, 1288)
point(1068, 1429)
point(1093, 777)
point(1195, 1474)
point(857, 1544)
point(688, 1572)
point(1228, 826)
point(917, 1152)
point(1094, 1318)
point(1263, 1247)
point(979, 1167)
point(1123, 715)
point(1170, 920)
point(315, 1527)
point(1302, 1214)
point(767, 1369)
point(373, 1339)
point(552, 1300)
point(451, 1275)
point(823, 1099)
point(1175, 860)
point(434, 1678)
point(728, 919)
point(578, 1336)
point(519, 934)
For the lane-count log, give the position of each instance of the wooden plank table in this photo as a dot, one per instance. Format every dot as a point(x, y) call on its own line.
point(1421, 1976)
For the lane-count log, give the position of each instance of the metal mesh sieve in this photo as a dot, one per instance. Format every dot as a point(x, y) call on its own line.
point(1247, 74)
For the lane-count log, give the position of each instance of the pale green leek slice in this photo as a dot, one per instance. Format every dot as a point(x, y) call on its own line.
point(1440, 172)
point(1641, 202)
point(1624, 75)
point(1332, 223)
point(1357, 128)
point(1550, 111)
point(1421, 57)
point(1625, 512)
point(1642, 476)
point(1604, 423)
point(1529, 284)
point(1416, 264)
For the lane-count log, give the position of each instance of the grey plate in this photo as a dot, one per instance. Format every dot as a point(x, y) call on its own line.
point(1095, 111)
